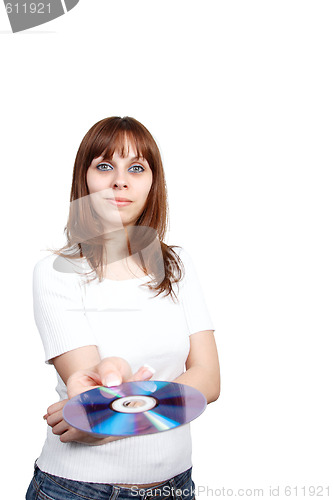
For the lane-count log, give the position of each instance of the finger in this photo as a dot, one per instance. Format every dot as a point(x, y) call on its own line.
point(71, 434)
point(55, 418)
point(56, 407)
point(64, 437)
point(60, 428)
point(144, 373)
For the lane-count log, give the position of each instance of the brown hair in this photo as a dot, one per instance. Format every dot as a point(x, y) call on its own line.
point(84, 229)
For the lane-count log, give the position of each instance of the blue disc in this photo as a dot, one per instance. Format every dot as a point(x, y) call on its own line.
point(134, 408)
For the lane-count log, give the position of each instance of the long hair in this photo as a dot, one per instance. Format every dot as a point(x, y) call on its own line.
point(84, 230)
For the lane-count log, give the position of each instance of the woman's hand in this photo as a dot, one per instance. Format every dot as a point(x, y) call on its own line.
point(68, 433)
point(109, 372)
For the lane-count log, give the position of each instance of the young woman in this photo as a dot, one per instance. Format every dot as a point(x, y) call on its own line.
point(117, 304)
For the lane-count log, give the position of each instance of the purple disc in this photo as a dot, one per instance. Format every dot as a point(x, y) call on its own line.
point(134, 408)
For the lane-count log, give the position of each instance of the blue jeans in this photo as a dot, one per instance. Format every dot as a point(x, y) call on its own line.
point(44, 486)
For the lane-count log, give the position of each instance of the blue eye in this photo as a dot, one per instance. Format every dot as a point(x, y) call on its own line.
point(104, 167)
point(136, 168)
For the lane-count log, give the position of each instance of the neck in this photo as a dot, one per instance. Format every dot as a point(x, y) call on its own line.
point(117, 245)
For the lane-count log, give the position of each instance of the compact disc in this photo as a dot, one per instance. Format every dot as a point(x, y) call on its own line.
point(134, 408)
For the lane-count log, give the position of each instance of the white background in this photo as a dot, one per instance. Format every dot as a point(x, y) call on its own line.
point(239, 98)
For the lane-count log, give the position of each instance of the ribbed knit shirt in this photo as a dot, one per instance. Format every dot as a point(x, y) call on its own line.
point(122, 318)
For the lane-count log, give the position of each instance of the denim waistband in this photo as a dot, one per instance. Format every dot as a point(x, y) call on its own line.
point(171, 488)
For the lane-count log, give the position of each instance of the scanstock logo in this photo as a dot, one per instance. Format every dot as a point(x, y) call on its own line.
point(23, 14)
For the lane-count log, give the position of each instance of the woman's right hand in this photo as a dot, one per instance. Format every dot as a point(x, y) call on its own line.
point(67, 433)
point(108, 372)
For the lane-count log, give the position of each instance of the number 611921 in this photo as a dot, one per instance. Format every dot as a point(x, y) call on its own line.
point(28, 8)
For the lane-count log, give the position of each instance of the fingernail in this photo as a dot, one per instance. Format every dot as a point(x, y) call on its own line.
point(150, 368)
point(45, 416)
point(148, 372)
point(111, 381)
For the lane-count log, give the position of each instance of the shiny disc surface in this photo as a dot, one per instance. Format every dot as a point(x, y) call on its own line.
point(134, 408)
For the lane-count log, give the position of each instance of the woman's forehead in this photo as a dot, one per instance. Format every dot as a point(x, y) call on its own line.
point(123, 147)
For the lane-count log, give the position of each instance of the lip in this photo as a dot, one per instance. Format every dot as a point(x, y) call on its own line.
point(119, 202)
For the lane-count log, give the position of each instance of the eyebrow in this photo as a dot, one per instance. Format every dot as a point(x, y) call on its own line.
point(133, 158)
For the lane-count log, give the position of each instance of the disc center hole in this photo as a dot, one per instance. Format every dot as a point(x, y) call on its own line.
point(134, 404)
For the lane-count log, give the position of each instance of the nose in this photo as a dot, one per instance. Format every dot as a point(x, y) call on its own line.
point(119, 185)
point(119, 182)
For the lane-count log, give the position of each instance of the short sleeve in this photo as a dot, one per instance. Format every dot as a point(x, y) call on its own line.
point(192, 298)
point(59, 310)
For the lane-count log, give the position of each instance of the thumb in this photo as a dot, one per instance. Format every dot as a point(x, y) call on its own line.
point(109, 373)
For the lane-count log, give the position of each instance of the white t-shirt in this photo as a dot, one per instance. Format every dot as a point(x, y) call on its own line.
point(122, 319)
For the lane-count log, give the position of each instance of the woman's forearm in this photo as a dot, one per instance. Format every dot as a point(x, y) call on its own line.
point(205, 380)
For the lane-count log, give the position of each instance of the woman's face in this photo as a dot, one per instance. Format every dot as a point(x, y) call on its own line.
point(119, 187)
